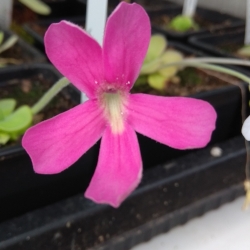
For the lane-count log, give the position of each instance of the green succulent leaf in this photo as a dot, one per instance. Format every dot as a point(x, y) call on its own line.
point(157, 45)
point(8, 43)
point(17, 122)
point(170, 56)
point(157, 81)
point(4, 138)
point(37, 6)
point(6, 107)
point(1, 37)
point(244, 51)
point(183, 23)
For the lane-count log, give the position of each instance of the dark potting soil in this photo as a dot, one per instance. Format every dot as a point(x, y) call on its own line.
point(232, 48)
point(163, 21)
point(21, 14)
point(188, 81)
point(29, 90)
point(16, 52)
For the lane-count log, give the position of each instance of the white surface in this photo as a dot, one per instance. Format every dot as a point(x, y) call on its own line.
point(227, 228)
point(189, 7)
point(5, 13)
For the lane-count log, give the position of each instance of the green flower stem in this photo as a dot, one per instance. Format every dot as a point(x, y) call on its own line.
point(49, 95)
point(198, 64)
point(230, 61)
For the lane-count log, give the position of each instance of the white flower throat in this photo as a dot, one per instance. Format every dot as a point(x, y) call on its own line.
point(113, 103)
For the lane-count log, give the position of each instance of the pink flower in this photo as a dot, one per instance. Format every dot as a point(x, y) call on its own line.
point(106, 75)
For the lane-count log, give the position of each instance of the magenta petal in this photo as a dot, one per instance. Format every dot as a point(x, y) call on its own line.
point(119, 168)
point(179, 122)
point(125, 44)
point(57, 143)
point(75, 54)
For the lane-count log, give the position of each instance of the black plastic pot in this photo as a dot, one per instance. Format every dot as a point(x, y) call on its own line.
point(213, 20)
point(59, 8)
point(219, 44)
point(22, 190)
point(28, 53)
point(169, 195)
point(36, 38)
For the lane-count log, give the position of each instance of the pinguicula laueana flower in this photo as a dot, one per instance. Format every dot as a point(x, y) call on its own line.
point(106, 74)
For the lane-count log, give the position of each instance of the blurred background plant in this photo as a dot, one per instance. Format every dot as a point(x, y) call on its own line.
point(152, 71)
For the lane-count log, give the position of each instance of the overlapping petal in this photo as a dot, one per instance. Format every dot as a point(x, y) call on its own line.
point(179, 122)
point(126, 41)
point(76, 55)
point(119, 168)
point(55, 144)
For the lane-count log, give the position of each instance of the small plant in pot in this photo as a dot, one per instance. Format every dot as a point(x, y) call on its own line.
point(176, 25)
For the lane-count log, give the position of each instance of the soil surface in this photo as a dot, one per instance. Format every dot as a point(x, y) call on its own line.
point(29, 90)
point(18, 53)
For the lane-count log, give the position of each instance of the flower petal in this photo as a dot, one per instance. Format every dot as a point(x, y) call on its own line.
point(126, 41)
point(179, 122)
point(119, 168)
point(57, 143)
point(75, 54)
point(246, 129)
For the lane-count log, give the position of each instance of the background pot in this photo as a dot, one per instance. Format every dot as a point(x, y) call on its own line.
point(22, 190)
point(213, 22)
point(224, 45)
point(21, 51)
point(35, 31)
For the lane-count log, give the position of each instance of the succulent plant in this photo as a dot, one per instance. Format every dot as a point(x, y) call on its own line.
point(183, 23)
point(153, 70)
point(13, 122)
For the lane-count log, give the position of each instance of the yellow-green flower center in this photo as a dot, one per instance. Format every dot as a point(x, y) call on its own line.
point(113, 103)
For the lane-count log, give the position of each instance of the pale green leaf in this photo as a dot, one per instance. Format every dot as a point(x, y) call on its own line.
point(4, 138)
point(8, 43)
point(37, 6)
point(183, 23)
point(1, 37)
point(245, 51)
point(157, 45)
point(170, 56)
point(6, 107)
point(157, 81)
point(18, 121)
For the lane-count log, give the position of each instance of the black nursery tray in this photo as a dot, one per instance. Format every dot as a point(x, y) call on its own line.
point(169, 195)
point(211, 22)
point(21, 190)
point(224, 45)
point(21, 51)
point(36, 30)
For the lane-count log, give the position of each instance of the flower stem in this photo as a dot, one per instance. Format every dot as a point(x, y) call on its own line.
point(230, 61)
point(49, 95)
